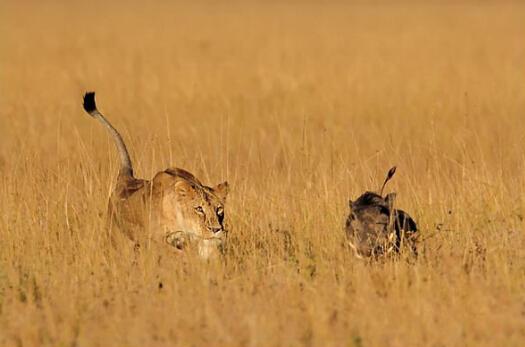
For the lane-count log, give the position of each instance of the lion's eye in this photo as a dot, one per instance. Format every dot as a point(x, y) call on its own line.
point(199, 210)
point(220, 211)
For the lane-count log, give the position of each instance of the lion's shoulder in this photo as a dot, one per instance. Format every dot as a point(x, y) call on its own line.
point(186, 175)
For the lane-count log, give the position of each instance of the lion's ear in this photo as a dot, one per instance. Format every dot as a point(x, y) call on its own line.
point(184, 189)
point(221, 190)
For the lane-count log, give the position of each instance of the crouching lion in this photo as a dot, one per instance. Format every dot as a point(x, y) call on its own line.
point(174, 208)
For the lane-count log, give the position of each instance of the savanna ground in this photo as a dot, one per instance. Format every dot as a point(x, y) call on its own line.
point(300, 106)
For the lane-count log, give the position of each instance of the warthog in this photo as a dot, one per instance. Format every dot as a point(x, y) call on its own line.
point(375, 228)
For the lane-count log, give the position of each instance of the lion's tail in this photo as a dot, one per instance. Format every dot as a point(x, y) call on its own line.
point(126, 168)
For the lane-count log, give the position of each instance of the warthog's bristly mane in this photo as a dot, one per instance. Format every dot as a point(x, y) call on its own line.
point(368, 199)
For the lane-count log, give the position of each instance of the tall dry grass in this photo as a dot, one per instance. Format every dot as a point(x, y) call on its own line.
point(300, 106)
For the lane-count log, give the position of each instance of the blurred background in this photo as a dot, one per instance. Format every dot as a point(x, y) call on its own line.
point(300, 105)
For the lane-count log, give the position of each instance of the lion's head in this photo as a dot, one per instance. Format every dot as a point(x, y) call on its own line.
point(191, 215)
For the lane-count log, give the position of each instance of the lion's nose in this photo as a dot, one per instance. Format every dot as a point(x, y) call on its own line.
point(215, 229)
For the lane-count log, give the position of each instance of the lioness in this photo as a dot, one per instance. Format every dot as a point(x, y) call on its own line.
point(375, 228)
point(173, 208)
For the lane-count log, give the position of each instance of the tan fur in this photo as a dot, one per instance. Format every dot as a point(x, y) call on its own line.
point(174, 208)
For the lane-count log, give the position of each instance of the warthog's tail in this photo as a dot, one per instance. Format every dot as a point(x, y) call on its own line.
point(389, 175)
point(90, 106)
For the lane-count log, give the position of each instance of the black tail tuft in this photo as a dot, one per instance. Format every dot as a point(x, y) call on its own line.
point(391, 173)
point(89, 102)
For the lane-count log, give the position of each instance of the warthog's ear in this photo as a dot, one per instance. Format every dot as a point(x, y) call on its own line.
point(221, 190)
point(390, 199)
point(184, 189)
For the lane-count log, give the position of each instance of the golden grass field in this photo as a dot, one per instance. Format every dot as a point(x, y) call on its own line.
point(300, 106)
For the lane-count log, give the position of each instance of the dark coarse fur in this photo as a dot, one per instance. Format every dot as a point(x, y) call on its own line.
point(374, 227)
point(368, 199)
